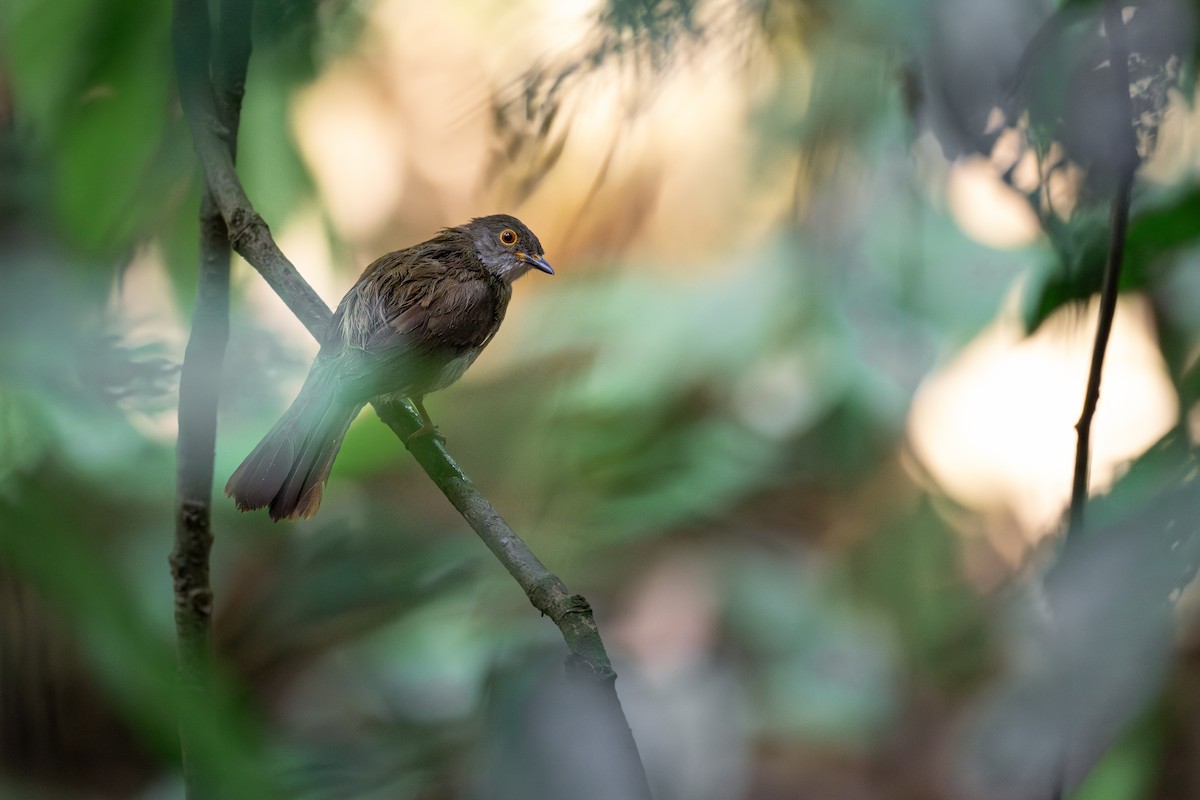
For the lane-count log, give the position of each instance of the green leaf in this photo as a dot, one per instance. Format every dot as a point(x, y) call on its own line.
point(46, 50)
point(106, 153)
point(1160, 231)
point(24, 437)
point(1157, 235)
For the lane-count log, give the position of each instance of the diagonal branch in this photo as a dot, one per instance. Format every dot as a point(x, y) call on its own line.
point(248, 233)
point(254, 242)
point(571, 613)
point(250, 237)
point(199, 388)
point(1127, 164)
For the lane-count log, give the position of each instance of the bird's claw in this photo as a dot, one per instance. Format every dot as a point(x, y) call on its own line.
point(423, 432)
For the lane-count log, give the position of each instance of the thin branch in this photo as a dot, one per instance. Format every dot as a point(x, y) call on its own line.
point(250, 237)
point(1127, 164)
point(199, 389)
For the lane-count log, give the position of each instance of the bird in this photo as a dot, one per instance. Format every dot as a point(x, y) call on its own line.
point(412, 324)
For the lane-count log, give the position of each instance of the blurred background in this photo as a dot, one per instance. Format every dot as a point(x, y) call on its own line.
point(795, 415)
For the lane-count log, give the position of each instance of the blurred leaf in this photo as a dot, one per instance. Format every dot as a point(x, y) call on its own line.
point(1067, 88)
point(827, 669)
point(1092, 641)
point(1157, 236)
point(293, 602)
point(270, 167)
point(107, 153)
point(293, 41)
point(1161, 230)
point(851, 89)
point(912, 571)
point(663, 421)
point(179, 236)
point(51, 544)
point(98, 96)
point(970, 57)
point(1081, 247)
point(1130, 771)
point(927, 280)
point(24, 438)
point(45, 47)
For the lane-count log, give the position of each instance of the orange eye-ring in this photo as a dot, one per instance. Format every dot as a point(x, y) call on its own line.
point(508, 237)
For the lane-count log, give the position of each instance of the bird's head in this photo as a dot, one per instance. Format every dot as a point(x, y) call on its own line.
point(507, 248)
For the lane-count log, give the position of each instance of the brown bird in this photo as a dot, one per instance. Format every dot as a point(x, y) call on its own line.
point(412, 324)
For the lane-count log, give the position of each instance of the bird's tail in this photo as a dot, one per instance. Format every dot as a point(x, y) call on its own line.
point(288, 469)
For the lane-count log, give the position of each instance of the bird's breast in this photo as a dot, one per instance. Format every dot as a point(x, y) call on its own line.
point(454, 368)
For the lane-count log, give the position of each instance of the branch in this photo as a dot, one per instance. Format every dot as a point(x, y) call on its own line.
point(1127, 164)
point(571, 613)
point(199, 389)
point(250, 237)
point(248, 233)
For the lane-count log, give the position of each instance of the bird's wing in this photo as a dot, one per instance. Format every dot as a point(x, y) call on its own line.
point(434, 308)
point(401, 330)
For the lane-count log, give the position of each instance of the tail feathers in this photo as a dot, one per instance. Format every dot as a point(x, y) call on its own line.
point(287, 471)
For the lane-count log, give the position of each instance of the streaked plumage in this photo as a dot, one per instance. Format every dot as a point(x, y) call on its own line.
point(412, 324)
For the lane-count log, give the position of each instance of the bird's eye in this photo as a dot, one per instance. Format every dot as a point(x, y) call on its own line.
point(508, 237)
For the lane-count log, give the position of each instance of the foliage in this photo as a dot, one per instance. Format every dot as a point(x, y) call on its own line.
point(747, 409)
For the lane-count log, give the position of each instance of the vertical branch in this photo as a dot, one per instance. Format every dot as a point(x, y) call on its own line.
point(1127, 163)
point(200, 381)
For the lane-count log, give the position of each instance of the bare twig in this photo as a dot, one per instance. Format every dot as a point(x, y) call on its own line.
point(199, 389)
point(1126, 164)
point(250, 237)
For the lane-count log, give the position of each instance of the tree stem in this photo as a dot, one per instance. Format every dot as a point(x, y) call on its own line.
point(1126, 163)
point(199, 391)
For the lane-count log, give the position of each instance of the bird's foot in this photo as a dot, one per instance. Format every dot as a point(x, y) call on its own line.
point(427, 429)
point(422, 432)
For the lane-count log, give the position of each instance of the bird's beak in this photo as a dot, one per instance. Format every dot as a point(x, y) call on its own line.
point(540, 262)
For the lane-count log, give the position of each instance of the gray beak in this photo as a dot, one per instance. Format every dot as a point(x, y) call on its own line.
point(540, 262)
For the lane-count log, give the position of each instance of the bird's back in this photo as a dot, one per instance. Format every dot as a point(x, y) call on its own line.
point(415, 320)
